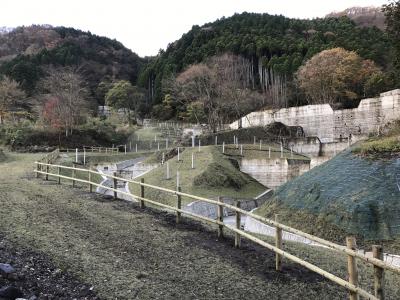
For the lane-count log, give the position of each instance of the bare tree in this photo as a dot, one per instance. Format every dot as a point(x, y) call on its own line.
point(10, 96)
point(274, 86)
point(66, 98)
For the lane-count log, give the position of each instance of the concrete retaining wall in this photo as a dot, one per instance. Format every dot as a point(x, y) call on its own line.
point(274, 172)
point(332, 125)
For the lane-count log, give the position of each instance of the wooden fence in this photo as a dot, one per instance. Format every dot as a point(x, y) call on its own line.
point(350, 251)
point(110, 150)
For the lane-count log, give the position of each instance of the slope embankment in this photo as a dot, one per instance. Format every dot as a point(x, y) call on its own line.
point(350, 194)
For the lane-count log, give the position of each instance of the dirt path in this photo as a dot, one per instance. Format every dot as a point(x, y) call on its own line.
point(125, 252)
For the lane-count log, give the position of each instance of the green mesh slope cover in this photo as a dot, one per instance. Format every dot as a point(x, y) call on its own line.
point(358, 195)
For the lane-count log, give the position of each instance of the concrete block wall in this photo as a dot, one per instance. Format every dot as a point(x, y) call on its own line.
point(330, 125)
point(274, 172)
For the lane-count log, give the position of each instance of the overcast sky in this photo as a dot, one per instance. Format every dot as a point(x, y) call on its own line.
point(145, 26)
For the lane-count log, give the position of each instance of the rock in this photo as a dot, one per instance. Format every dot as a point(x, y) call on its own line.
point(6, 268)
point(10, 292)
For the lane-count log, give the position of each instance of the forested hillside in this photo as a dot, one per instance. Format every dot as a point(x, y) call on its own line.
point(276, 42)
point(26, 52)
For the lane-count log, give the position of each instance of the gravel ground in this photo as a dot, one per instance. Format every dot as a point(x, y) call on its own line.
point(123, 252)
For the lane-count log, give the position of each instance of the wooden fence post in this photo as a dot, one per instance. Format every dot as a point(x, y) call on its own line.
point(278, 244)
point(37, 170)
point(352, 266)
point(178, 205)
point(47, 171)
point(73, 175)
point(58, 173)
point(238, 220)
point(115, 185)
point(377, 252)
point(90, 181)
point(141, 193)
point(220, 215)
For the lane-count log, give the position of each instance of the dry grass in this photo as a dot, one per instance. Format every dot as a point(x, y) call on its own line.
point(128, 253)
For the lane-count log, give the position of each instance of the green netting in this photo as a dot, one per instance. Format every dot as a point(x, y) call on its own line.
point(358, 195)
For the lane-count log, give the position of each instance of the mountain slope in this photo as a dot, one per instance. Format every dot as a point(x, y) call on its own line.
point(274, 41)
point(363, 16)
point(26, 51)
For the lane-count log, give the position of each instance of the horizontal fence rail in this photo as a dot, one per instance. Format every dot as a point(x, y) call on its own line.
point(351, 285)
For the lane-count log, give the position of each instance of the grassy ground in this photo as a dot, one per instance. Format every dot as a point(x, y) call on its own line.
point(336, 263)
point(379, 147)
point(213, 175)
point(251, 151)
point(125, 252)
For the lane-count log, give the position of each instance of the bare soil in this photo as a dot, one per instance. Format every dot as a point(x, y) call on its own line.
point(123, 252)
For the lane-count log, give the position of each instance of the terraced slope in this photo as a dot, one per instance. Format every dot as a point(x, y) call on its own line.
point(213, 175)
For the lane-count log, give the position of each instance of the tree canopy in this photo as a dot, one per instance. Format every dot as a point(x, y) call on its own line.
point(276, 42)
point(337, 75)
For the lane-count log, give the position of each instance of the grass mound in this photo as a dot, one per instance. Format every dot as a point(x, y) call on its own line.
point(221, 175)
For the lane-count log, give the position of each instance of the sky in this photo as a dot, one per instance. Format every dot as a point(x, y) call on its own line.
point(146, 26)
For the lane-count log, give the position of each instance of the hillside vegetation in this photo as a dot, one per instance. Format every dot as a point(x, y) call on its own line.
point(346, 195)
point(25, 52)
point(276, 42)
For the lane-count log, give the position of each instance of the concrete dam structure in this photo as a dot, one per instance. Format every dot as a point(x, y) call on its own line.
point(330, 125)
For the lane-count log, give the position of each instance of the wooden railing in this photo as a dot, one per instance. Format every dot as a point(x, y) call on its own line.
point(350, 251)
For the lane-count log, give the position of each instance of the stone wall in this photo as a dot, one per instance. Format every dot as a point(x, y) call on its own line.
point(333, 125)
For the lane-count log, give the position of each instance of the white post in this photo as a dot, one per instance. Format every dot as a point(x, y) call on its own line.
point(192, 141)
point(155, 138)
point(216, 140)
point(179, 154)
point(192, 160)
point(158, 146)
point(241, 149)
point(125, 149)
point(281, 150)
point(234, 140)
point(136, 147)
point(177, 179)
point(76, 155)
point(168, 177)
point(199, 145)
point(84, 156)
point(223, 147)
point(269, 152)
point(260, 144)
